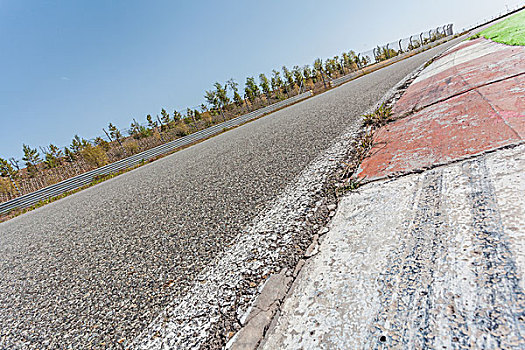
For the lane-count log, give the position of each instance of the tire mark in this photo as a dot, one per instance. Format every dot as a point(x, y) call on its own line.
point(406, 319)
point(412, 307)
point(500, 305)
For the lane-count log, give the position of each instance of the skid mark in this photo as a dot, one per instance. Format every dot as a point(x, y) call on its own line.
point(445, 290)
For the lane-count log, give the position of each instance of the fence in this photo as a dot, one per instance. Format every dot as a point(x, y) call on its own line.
point(413, 42)
point(397, 50)
point(502, 14)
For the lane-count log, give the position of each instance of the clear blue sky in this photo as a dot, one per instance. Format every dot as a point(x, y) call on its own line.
point(70, 67)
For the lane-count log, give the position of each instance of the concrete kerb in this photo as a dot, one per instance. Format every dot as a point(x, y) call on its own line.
point(260, 317)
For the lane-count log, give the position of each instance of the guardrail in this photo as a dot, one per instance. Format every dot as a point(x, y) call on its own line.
point(87, 177)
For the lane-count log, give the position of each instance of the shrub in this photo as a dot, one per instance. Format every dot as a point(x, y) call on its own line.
point(95, 156)
point(6, 187)
point(99, 141)
point(131, 147)
point(182, 129)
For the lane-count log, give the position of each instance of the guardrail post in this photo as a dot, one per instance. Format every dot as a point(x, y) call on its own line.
point(400, 48)
point(421, 38)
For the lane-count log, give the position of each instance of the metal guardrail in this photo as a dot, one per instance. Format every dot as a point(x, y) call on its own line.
point(73, 183)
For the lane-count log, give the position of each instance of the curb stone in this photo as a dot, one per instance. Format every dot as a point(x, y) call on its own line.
point(258, 317)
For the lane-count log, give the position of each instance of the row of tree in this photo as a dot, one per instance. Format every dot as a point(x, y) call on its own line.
point(218, 101)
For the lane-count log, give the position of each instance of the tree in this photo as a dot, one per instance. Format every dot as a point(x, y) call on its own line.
point(190, 116)
point(69, 155)
point(297, 75)
point(265, 85)
point(197, 115)
point(99, 141)
point(77, 144)
point(222, 95)
point(288, 76)
point(52, 156)
point(307, 72)
point(237, 98)
point(138, 131)
point(318, 65)
point(31, 159)
point(165, 117)
point(251, 89)
point(211, 99)
point(134, 129)
point(114, 132)
point(177, 116)
point(6, 170)
point(277, 82)
point(152, 124)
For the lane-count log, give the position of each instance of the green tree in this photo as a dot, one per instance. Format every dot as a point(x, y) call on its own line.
point(288, 76)
point(277, 82)
point(211, 99)
point(99, 141)
point(152, 124)
point(177, 116)
point(165, 117)
point(31, 159)
point(69, 155)
point(251, 89)
point(318, 66)
point(77, 144)
point(114, 132)
point(138, 131)
point(6, 170)
point(52, 156)
point(297, 75)
point(307, 72)
point(222, 95)
point(264, 83)
point(237, 98)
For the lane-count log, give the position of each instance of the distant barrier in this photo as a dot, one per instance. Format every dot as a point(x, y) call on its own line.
point(387, 53)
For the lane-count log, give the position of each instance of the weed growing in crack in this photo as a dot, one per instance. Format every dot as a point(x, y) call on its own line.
point(379, 117)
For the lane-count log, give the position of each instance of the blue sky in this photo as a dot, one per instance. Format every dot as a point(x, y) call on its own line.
point(70, 67)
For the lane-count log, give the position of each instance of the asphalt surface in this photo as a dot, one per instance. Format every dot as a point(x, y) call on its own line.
point(94, 269)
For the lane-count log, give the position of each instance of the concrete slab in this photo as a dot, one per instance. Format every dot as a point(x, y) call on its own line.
point(469, 65)
point(430, 260)
point(480, 120)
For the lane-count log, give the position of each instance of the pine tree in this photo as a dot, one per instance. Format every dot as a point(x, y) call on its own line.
point(52, 156)
point(251, 89)
point(264, 83)
point(77, 144)
point(31, 159)
point(114, 132)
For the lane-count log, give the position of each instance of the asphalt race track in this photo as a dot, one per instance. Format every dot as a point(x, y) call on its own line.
point(99, 266)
